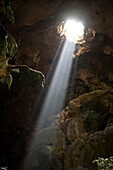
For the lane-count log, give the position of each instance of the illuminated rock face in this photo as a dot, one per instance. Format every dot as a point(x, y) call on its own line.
point(82, 122)
point(36, 27)
point(85, 125)
point(87, 120)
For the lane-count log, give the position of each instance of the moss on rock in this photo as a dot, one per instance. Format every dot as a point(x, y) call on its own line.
point(27, 77)
point(87, 114)
point(6, 12)
point(8, 46)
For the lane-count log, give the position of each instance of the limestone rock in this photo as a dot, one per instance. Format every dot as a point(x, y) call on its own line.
point(90, 113)
point(16, 125)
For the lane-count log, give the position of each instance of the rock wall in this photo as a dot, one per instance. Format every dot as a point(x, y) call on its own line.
point(83, 130)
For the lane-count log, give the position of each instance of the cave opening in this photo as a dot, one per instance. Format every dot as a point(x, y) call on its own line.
point(56, 88)
point(73, 30)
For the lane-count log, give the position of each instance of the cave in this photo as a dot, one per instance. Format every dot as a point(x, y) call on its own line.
point(56, 84)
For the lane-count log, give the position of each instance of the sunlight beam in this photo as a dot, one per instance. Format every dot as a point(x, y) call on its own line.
point(56, 94)
point(73, 30)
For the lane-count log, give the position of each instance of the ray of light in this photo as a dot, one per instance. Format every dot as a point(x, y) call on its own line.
point(55, 97)
point(48, 79)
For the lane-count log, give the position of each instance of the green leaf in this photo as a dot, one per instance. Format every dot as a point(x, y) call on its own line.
point(95, 161)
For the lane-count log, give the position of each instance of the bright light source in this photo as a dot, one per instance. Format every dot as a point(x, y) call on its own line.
point(73, 30)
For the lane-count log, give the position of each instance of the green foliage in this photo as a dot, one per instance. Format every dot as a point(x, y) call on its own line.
point(3, 42)
point(104, 163)
point(8, 46)
point(12, 47)
point(6, 13)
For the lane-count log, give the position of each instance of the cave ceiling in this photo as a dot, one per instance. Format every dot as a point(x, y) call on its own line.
point(36, 25)
point(37, 28)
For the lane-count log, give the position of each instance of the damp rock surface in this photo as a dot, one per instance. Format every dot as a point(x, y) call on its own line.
point(16, 123)
point(83, 131)
point(87, 124)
